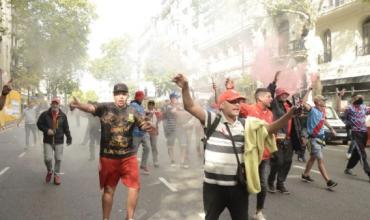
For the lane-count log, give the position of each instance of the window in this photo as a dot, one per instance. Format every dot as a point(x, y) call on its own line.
point(327, 46)
point(283, 31)
point(366, 37)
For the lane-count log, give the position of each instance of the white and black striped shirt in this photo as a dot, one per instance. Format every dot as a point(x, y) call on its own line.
point(220, 162)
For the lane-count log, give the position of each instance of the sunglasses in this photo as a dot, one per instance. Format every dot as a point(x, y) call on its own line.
point(236, 101)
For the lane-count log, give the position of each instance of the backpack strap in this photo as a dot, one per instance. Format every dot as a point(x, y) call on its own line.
point(208, 131)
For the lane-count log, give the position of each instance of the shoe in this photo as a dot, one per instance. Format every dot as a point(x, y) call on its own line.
point(185, 166)
point(331, 184)
point(48, 177)
point(145, 170)
point(349, 172)
point(348, 155)
point(283, 190)
point(307, 179)
point(57, 180)
point(156, 164)
point(271, 188)
point(173, 164)
point(259, 216)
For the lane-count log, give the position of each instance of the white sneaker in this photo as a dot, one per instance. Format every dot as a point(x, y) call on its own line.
point(348, 155)
point(173, 165)
point(259, 216)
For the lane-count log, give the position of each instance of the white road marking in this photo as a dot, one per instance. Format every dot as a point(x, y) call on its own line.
point(21, 155)
point(303, 168)
point(332, 149)
point(166, 183)
point(294, 176)
point(4, 170)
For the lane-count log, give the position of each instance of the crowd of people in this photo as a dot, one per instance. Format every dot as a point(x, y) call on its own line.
point(241, 142)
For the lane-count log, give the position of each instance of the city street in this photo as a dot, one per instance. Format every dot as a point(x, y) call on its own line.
point(167, 193)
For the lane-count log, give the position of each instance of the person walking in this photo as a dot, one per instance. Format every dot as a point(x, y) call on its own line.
point(141, 138)
point(221, 187)
point(355, 115)
point(316, 136)
point(260, 110)
point(117, 153)
point(54, 125)
point(30, 118)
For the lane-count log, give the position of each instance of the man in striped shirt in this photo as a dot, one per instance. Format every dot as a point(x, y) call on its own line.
point(220, 188)
point(356, 117)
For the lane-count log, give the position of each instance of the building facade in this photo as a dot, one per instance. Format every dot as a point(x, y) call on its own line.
point(344, 27)
point(5, 38)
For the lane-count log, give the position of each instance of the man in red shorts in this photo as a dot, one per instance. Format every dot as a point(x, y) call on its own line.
point(118, 159)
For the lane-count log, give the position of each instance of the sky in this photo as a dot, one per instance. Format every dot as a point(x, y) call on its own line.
point(116, 18)
point(119, 17)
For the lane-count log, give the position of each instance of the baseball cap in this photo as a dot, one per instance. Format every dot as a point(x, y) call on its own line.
point(318, 98)
point(120, 87)
point(55, 99)
point(139, 95)
point(229, 95)
point(174, 95)
point(281, 91)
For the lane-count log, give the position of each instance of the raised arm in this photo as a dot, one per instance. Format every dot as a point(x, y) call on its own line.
point(193, 108)
point(272, 85)
point(305, 98)
point(338, 98)
point(89, 108)
point(281, 122)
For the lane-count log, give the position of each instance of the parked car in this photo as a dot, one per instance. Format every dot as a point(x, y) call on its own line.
point(338, 125)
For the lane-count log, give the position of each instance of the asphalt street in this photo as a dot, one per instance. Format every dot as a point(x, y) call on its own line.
point(167, 193)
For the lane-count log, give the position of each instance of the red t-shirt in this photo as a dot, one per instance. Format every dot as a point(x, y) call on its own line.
point(257, 111)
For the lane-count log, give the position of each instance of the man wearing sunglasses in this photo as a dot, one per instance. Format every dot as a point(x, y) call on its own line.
point(220, 187)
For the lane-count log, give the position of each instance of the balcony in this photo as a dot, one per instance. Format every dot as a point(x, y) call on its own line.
point(363, 51)
point(297, 49)
point(334, 4)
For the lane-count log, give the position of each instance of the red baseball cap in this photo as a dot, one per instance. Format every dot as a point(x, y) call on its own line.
point(139, 95)
point(229, 95)
point(281, 91)
point(55, 99)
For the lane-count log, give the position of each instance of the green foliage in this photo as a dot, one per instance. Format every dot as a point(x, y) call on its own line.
point(161, 65)
point(51, 38)
point(85, 96)
point(307, 9)
point(115, 63)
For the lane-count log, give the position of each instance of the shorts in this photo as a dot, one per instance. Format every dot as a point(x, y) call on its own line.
point(315, 148)
point(180, 135)
point(112, 170)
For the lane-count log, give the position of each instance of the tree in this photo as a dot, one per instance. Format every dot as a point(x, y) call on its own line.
point(115, 63)
point(51, 40)
point(89, 95)
point(309, 12)
point(161, 65)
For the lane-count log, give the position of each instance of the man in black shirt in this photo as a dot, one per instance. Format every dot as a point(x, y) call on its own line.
point(117, 154)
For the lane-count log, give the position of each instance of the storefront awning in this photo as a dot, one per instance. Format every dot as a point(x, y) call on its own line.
point(348, 80)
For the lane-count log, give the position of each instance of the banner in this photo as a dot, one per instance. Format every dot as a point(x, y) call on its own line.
point(12, 109)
